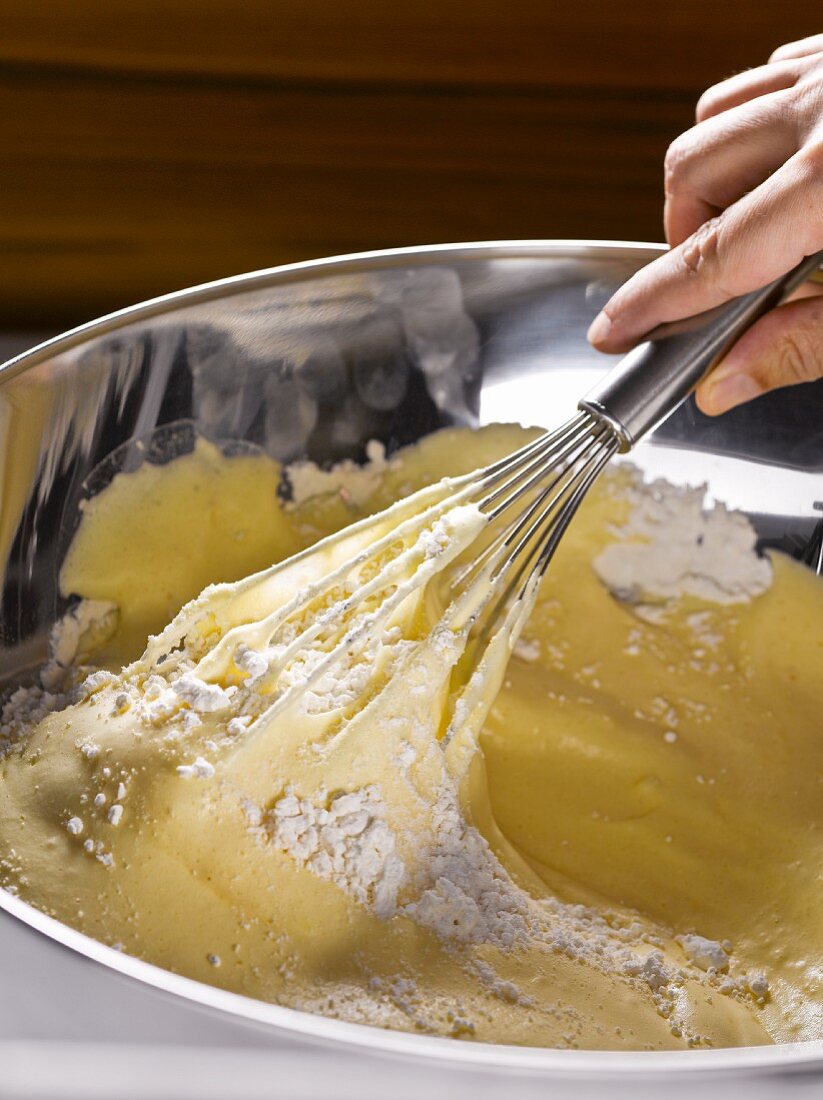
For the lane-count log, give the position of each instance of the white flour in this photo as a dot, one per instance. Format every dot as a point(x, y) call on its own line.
point(348, 841)
point(23, 709)
point(671, 547)
point(455, 886)
point(353, 481)
point(58, 681)
point(82, 624)
point(467, 895)
point(705, 954)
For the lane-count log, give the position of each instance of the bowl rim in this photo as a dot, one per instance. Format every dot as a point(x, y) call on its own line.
point(325, 265)
point(364, 1038)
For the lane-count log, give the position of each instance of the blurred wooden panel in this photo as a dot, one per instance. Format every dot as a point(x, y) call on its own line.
point(537, 43)
point(148, 146)
point(154, 185)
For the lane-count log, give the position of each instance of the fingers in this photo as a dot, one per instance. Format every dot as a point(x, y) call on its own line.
point(712, 165)
point(744, 190)
point(684, 213)
point(747, 86)
point(782, 349)
point(746, 127)
point(763, 235)
point(802, 48)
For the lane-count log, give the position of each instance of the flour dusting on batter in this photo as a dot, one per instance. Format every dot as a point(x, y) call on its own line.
point(301, 759)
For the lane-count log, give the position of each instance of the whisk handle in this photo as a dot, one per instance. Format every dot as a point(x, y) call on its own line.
point(651, 381)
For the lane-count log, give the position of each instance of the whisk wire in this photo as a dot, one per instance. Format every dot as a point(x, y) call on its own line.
point(549, 457)
point(539, 527)
point(568, 510)
point(549, 449)
point(559, 464)
point(556, 495)
point(541, 442)
point(522, 505)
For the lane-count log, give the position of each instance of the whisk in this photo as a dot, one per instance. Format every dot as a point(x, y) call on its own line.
point(641, 390)
point(476, 546)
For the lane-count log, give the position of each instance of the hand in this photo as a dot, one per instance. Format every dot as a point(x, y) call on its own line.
point(744, 204)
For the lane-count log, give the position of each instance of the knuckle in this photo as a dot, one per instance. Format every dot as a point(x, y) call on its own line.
point(809, 67)
point(675, 166)
point(782, 102)
point(700, 251)
point(800, 102)
point(797, 359)
point(811, 159)
point(708, 102)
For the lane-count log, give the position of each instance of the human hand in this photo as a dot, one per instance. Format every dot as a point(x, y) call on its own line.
point(744, 204)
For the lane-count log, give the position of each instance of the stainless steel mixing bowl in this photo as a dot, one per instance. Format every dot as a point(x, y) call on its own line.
point(314, 360)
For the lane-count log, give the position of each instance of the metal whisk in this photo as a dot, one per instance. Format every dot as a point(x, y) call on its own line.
point(641, 390)
point(476, 545)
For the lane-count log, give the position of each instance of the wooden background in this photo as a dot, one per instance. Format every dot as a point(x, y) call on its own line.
point(150, 144)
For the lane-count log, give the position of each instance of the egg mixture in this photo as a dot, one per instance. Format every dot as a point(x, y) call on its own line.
point(603, 832)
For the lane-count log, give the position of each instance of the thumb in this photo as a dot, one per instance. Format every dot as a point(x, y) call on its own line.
point(784, 347)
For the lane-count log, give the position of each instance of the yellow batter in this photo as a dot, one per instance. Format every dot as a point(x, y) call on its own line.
point(626, 855)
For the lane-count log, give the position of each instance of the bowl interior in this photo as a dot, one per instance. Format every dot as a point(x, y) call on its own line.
point(317, 359)
point(314, 361)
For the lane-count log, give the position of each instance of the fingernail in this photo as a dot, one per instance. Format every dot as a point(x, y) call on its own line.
point(724, 393)
point(599, 329)
point(726, 368)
